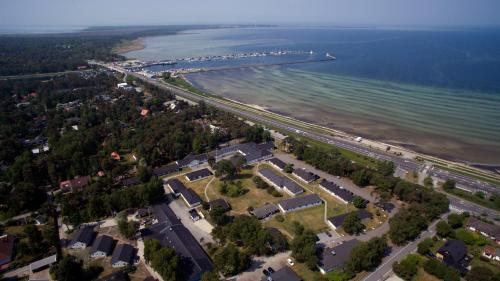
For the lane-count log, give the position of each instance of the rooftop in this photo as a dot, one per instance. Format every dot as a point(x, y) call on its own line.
point(102, 243)
point(131, 181)
point(84, 235)
point(333, 258)
point(265, 211)
point(6, 248)
point(203, 173)
point(343, 193)
point(298, 202)
point(337, 221)
point(123, 253)
point(170, 232)
point(165, 170)
point(305, 175)
point(278, 163)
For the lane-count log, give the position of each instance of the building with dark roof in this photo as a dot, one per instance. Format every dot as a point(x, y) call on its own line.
point(277, 163)
point(220, 202)
point(169, 231)
point(83, 238)
point(165, 170)
point(282, 274)
point(265, 211)
point(280, 183)
point(192, 160)
point(337, 221)
point(293, 204)
point(6, 250)
point(251, 151)
point(304, 175)
point(102, 247)
point(336, 191)
point(131, 181)
point(333, 258)
point(491, 231)
point(123, 255)
point(454, 254)
point(386, 206)
point(187, 194)
point(198, 175)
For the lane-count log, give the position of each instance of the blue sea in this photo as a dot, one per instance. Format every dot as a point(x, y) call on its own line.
point(435, 91)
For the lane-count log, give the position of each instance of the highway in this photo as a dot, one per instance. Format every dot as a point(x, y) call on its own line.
point(407, 165)
point(465, 182)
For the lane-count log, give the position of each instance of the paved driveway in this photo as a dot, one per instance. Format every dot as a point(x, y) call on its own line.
point(254, 273)
point(200, 229)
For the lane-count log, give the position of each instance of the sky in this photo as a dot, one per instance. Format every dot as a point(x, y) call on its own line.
point(330, 12)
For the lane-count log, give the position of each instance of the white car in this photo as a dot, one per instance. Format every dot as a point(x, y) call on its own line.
point(290, 262)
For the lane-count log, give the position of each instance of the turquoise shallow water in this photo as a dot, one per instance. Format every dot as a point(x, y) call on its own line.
point(431, 91)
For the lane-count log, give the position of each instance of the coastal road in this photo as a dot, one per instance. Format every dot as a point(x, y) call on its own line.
point(408, 165)
point(465, 182)
point(398, 253)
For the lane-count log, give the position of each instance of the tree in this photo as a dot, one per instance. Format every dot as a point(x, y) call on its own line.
point(210, 276)
point(126, 228)
point(36, 242)
point(218, 215)
point(443, 229)
point(361, 177)
point(352, 224)
point(225, 169)
point(303, 248)
point(298, 228)
point(164, 260)
point(428, 182)
point(359, 202)
point(386, 168)
point(455, 220)
point(440, 270)
point(67, 269)
point(424, 247)
point(406, 225)
point(367, 255)
point(230, 261)
point(288, 168)
point(479, 273)
point(449, 185)
point(407, 268)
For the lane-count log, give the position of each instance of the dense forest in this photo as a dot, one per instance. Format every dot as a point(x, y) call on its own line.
point(83, 119)
point(26, 54)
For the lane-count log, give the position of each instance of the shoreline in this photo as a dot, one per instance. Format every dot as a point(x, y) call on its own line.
point(129, 46)
point(396, 145)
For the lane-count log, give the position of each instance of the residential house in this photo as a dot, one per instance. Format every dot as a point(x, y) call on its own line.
point(198, 175)
point(293, 204)
point(337, 221)
point(74, 184)
point(169, 231)
point(491, 231)
point(265, 211)
point(277, 163)
point(491, 253)
point(454, 254)
point(131, 181)
point(192, 160)
point(280, 183)
point(123, 255)
point(83, 238)
point(165, 170)
point(251, 151)
point(342, 194)
point(6, 250)
point(187, 194)
point(282, 274)
point(334, 258)
point(102, 247)
point(304, 175)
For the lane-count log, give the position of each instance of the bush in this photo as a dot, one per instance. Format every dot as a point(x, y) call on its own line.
point(232, 189)
point(230, 261)
point(280, 218)
point(441, 271)
point(259, 182)
point(443, 229)
point(424, 247)
point(359, 202)
point(407, 268)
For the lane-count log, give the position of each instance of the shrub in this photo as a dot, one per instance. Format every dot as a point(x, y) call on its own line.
point(280, 218)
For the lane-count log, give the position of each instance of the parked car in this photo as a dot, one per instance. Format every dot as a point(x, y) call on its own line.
point(290, 262)
point(270, 269)
point(266, 273)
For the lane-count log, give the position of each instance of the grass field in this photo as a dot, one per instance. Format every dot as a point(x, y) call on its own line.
point(312, 218)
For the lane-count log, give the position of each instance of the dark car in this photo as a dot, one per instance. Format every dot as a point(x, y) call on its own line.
point(271, 270)
point(266, 273)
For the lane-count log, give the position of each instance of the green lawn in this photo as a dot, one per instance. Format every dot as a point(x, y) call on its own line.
point(311, 218)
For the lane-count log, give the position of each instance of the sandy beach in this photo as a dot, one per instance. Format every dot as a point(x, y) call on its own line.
point(129, 46)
